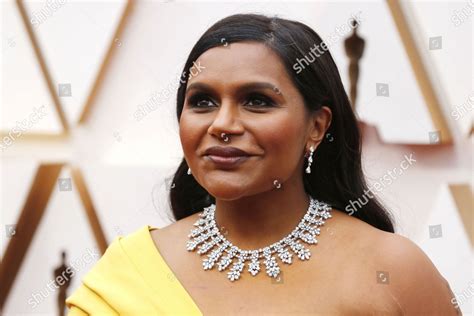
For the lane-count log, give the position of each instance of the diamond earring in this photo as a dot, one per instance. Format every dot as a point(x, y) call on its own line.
point(310, 159)
point(189, 170)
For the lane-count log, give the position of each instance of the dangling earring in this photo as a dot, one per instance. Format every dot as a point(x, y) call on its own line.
point(189, 170)
point(310, 159)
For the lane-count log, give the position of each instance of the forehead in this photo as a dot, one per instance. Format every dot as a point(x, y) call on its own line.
point(242, 62)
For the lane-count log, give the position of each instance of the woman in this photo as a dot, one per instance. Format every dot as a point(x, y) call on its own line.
point(272, 156)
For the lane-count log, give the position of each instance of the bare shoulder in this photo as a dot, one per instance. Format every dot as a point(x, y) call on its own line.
point(173, 232)
point(415, 281)
point(391, 269)
point(409, 278)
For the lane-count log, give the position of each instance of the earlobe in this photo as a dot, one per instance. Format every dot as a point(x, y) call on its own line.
point(320, 122)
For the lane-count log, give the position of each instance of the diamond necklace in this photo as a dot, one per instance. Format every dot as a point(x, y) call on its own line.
point(207, 236)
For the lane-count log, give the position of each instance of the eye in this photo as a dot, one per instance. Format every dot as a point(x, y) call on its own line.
point(259, 100)
point(255, 100)
point(200, 100)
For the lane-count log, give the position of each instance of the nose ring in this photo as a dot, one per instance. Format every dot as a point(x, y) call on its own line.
point(224, 137)
point(277, 184)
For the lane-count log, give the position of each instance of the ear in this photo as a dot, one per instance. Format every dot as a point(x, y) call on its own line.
point(318, 125)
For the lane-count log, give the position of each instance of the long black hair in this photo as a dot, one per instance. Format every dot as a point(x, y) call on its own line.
point(337, 177)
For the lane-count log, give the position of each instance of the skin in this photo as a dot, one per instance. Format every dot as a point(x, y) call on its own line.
point(277, 137)
point(340, 277)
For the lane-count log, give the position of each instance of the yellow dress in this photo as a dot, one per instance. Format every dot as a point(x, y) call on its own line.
point(131, 278)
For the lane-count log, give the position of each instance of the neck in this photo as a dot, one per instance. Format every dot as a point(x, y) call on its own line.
point(257, 221)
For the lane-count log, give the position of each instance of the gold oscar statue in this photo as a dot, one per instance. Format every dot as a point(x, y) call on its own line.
point(354, 46)
point(62, 278)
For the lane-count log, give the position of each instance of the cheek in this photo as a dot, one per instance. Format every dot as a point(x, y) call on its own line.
point(283, 140)
point(189, 133)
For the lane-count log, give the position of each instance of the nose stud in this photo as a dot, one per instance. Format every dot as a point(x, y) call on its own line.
point(225, 137)
point(277, 184)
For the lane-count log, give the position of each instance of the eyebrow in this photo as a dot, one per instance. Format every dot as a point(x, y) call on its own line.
point(244, 87)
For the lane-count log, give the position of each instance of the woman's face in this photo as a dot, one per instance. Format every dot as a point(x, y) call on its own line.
point(243, 90)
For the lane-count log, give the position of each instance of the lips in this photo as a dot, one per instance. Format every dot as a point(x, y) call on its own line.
point(226, 157)
point(225, 152)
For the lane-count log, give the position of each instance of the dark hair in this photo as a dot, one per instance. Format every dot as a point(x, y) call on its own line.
point(338, 177)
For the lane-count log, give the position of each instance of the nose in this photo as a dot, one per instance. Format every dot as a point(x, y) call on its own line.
point(226, 120)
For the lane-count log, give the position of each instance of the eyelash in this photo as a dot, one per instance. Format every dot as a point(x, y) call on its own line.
point(195, 99)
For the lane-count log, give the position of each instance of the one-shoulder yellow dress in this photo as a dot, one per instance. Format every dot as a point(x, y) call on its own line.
point(131, 278)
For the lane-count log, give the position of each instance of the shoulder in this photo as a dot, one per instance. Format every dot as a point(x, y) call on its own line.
point(173, 232)
point(414, 280)
point(118, 258)
point(115, 282)
point(393, 269)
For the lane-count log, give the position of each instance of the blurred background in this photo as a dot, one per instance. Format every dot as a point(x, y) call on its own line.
point(89, 134)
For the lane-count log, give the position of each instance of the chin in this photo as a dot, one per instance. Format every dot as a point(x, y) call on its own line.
point(227, 185)
point(225, 190)
point(226, 194)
